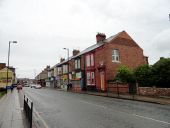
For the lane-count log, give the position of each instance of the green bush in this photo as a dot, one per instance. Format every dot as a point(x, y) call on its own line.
point(161, 73)
point(2, 93)
point(143, 75)
point(125, 75)
point(157, 75)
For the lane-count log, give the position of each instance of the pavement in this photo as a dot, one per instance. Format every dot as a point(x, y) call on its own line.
point(11, 112)
point(149, 99)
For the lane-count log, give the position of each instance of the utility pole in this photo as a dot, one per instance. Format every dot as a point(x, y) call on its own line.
point(8, 60)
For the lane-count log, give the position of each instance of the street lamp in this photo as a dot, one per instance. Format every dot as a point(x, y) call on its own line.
point(68, 62)
point(8, 60)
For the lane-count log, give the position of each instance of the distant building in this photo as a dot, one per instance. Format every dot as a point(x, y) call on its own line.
point(42, 77)
point(3, 77)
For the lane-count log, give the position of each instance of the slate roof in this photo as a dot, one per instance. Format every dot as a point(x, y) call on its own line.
point(93, 47)
point(89, 49)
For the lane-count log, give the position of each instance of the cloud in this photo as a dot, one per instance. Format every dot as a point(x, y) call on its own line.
point(162, 41)
point(43, 28)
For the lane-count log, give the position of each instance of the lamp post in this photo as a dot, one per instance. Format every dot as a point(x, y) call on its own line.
point(68, 63)
point(8, 60)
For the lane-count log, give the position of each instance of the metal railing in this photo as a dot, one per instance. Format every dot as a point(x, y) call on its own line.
point(28, 108)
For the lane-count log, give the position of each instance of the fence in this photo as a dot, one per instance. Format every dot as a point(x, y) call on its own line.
point(28, 108)
point(121, 88)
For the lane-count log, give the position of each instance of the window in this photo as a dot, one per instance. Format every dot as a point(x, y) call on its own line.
point(65, 68)
point(59, 70)
point(115, 56)
point(77, 64)
point(78, 75)
point(90, 78)
point(89, 60)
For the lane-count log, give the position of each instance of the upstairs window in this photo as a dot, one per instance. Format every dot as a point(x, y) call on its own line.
point(77, 64)
point(115, 55)
point(59, 70)
point(90, 60)
point(65, 68)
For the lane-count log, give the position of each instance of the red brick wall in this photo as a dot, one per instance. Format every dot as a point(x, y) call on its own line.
point(130, 55)
point(152, 91)
point(76, 86)
point(121, 88)
point(71, 65)
point(99, 57)
point(82, 62)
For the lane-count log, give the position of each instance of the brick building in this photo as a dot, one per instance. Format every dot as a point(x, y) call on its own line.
point(94, 66)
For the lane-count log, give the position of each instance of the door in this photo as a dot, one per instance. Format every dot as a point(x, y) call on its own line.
point(102, 80)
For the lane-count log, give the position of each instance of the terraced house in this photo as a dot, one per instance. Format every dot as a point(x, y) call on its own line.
point(91, 68)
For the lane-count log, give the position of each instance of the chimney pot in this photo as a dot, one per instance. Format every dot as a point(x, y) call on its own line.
point(75, 52)
point(100, 37)
point(62, 59)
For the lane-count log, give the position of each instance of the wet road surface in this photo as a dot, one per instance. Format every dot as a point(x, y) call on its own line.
point(59, 109)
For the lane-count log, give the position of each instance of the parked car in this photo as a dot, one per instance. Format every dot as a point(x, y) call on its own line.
point(38, 86)
point(32, 85)
point(26, 85)
point(19, 87)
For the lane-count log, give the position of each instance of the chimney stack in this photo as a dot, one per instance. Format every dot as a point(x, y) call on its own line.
point(62, 59)
point(2, 65)
point(75, 52)
point(100, 37)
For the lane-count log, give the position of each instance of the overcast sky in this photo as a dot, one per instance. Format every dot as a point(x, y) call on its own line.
point(43, 27)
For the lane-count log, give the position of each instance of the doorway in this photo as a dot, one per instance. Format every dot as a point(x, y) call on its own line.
point(102, 80)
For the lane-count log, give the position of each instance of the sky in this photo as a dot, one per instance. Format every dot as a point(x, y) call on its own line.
point(43, 28)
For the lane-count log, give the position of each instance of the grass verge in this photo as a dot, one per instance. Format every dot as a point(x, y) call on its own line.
point(2, 93)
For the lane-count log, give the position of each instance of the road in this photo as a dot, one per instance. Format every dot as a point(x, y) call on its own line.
point(59, 109)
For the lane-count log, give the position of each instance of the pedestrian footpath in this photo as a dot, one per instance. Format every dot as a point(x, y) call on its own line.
point(11, 112)
point(150, 99)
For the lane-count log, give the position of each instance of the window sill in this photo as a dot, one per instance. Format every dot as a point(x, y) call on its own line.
point(116, 61)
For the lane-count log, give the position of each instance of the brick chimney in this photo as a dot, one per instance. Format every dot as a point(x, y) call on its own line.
point(100, 37)
point(75, 52)
point(62, 59)
point(2, 65)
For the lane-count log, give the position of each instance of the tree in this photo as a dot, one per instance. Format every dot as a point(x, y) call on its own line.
point(125, 75)
point(143, 75)
point(161, 73)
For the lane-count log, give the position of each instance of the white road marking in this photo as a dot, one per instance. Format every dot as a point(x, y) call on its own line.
point(160, 121)
point(151, 119)
point(44, 123)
